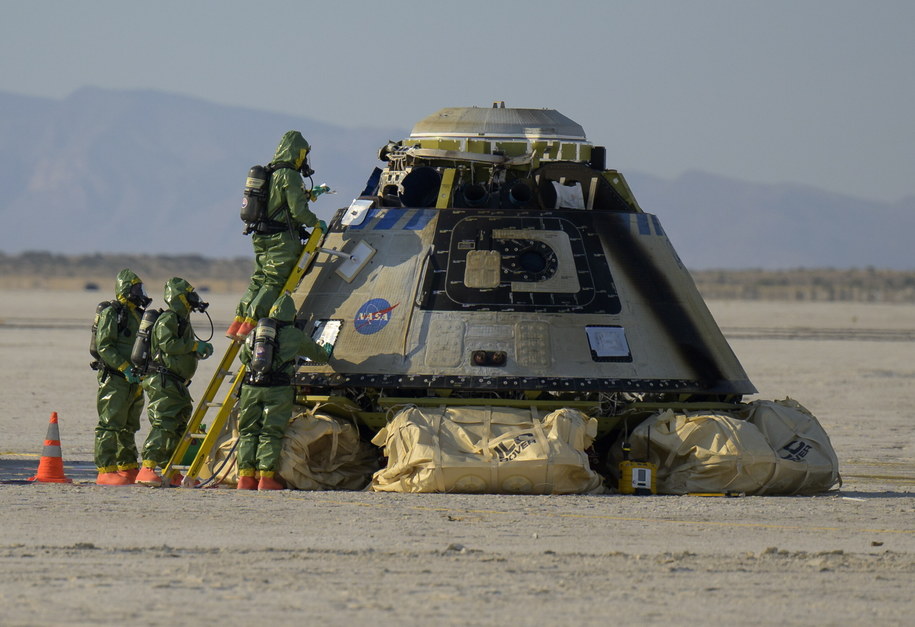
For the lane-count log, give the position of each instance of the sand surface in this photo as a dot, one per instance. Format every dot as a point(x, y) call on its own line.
point(83, 554)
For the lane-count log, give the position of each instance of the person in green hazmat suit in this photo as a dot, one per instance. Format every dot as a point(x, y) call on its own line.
point(278, 240)
point(120, 398)
point(265, 405)
point(175, 354)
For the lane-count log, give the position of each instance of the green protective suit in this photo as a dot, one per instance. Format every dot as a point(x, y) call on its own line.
point(266, 409)
point(174, 351)
point(118, 401)
point(276, 254)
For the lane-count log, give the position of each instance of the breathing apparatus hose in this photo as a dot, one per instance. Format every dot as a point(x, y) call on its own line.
point(215, 479)
point(212, 329)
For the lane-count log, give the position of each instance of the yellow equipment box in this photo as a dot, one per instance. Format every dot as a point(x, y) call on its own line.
point(638, 478)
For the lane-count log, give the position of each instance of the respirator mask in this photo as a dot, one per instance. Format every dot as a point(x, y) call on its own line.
point(193, 300)
point(305, 168)
point(137, 296)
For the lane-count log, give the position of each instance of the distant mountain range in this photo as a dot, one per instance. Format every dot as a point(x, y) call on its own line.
point(715, 222)
point(149, 172)
point(154, 173)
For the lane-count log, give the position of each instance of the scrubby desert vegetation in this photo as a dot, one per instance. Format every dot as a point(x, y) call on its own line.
point(31, 270)
point(803, 284)
point(51, 271)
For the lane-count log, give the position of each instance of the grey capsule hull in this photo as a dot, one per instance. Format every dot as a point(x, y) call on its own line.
point(495, 299)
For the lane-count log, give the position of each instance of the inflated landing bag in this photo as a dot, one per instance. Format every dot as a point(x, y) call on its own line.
point(322, 452)
point(767, 448)
point(487, 450)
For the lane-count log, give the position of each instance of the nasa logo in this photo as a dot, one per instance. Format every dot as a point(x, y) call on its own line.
point(244, 202)
point(373, 316)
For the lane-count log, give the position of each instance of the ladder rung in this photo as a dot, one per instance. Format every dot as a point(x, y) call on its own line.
point(198, 436)
point(214, 404)
point(176, 467)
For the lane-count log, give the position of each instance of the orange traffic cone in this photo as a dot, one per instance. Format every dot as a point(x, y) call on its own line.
point(51, 465)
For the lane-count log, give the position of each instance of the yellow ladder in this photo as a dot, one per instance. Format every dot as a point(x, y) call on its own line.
point(208, 439)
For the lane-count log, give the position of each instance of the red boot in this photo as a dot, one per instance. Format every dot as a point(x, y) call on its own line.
point(232, 333)
point(130, 474)
point(270, 483)
point(247, 483)
point(149, 477)
point(112, 478)
point(245, 328)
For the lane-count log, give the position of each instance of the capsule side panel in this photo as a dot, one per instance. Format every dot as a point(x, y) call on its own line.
point(517, 299)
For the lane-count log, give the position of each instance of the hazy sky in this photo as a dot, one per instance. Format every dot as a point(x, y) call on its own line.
point(816, 92)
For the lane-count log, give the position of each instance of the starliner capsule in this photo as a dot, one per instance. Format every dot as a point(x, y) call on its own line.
point(495, 258)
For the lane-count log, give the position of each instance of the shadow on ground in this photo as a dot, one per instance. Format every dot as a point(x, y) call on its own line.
point(18, 468)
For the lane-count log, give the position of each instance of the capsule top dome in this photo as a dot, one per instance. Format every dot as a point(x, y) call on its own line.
point(498, 122)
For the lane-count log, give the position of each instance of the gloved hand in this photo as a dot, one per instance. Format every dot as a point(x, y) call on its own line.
point(131, 375)
point(321, 224)
point(318, 190)
point(328, 349)
point(204, 349)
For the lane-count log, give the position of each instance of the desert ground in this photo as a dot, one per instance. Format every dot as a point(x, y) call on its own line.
point(83, 554)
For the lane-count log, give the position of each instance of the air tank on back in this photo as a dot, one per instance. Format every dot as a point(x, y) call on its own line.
point(494, 256)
